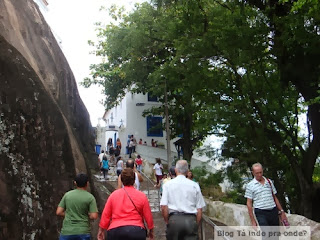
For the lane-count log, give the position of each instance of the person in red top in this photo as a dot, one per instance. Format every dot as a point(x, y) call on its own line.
point(139, 163)
point(118, 143)
point(125, 211)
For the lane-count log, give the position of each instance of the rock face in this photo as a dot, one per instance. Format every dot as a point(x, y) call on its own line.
point(45, 130)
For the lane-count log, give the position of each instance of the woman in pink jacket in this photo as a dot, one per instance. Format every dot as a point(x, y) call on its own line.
point(125, 212)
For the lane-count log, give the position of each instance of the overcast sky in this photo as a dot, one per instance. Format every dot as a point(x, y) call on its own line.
point(73, 21)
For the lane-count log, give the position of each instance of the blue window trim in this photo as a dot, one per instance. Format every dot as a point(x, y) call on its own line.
point(158, 129)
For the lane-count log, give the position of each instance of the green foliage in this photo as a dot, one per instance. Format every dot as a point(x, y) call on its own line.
point(247, 70)
point(209, 183)
point(205, 178)
point(316, 173)
point(145, 54)
point(234, 196)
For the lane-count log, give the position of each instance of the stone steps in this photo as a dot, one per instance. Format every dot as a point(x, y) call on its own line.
point(112, 178)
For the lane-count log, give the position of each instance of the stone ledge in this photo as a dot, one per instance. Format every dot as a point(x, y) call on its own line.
point(237, 215)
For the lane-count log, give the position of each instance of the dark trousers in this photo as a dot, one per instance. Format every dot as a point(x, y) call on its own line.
point(127, 233)
point(182, 227)
point(268, 221)
point(159, 177)
point(105, 172)
point(267, 217)
point(130, 151)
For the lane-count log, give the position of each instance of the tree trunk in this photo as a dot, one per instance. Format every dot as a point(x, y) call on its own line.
point(187, 137)
point(187, 152)
point(306, 189)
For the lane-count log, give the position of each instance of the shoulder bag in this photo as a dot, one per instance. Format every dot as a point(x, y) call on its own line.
point(282, 222)
point(138, 212)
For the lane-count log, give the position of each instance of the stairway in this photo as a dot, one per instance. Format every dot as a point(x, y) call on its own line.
point(147, 186)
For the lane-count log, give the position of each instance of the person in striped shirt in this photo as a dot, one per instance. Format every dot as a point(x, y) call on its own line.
point(262, 200)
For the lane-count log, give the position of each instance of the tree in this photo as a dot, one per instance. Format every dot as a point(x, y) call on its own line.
point(266, 72)
point(243, 69)
point(273, 75)
point(294, 27)
point(149, 61)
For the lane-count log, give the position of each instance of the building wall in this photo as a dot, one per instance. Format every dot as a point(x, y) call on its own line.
point(133, 123)
point(130, 111)
point(116, 117)
point(136, 123)
point(101, 137)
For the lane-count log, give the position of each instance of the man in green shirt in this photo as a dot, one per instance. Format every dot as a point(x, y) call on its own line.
point(78, 207)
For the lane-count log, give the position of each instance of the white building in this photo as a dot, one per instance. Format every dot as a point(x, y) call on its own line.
point(100, 132)
point(43, 6)
point(126, 119)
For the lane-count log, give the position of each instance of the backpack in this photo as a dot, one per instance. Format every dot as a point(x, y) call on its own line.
point(117, 152)
point(111, 151)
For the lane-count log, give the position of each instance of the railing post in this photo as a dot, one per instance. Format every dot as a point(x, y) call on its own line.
point(148, 186)
point(148, 189)
point(203, 232)
point(159, 200)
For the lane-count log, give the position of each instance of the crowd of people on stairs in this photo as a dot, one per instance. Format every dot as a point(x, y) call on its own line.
point(127, 213)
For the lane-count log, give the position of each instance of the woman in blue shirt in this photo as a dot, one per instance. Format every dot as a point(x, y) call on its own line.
point(105, 166)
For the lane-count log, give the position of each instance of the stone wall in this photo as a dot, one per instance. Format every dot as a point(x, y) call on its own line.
point(150, 153)
point(237, 215)
point(45, 131)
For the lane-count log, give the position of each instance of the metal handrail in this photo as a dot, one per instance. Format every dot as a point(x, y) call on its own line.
point(149, 180)
point(206, 219)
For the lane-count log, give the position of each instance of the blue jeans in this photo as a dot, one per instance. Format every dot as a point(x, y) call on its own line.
point(75, 237)
point(139, 168)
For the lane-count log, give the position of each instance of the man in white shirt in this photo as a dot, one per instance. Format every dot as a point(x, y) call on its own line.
point(130, 147)
point(157, 169)
point(138, 177)
point(100, 158)
point(181, 205)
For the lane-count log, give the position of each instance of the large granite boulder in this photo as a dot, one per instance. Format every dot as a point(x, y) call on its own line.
point(45, 131)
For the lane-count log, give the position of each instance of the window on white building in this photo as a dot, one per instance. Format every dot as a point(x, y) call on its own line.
point(154, 126)
point(152, 98)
